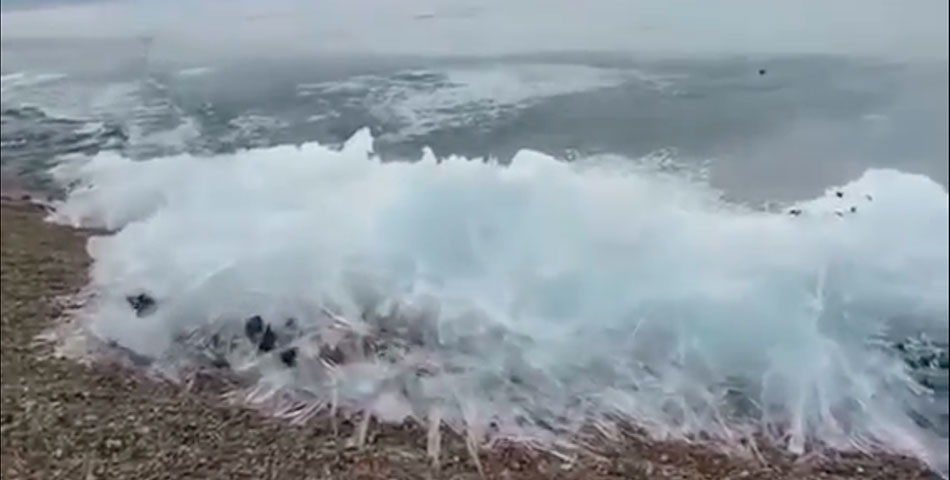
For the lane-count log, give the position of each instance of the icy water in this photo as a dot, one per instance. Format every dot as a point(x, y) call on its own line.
point(718, 244)
point(807, 123)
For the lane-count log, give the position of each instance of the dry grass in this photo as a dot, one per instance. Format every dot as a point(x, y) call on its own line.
point(64, 420)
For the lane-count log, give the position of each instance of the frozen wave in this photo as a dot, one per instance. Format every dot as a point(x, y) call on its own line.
point(527, 300)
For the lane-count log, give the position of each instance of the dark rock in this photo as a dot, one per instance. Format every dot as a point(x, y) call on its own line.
point(220, 363)
point(839, 213)
point(839, 194)
point(795, 212)
point(268, 340)
point(762, 71)
point(253, 327)
point(261, 333)
point(853, 209)
point(289, 357)
point(143, 304)
point(869, 197)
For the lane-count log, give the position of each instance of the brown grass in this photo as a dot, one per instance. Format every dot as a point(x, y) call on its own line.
point(64, 420)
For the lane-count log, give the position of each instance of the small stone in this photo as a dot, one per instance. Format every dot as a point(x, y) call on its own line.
point(839, 194)
point(268, 339)
point(253, 327)
point(220, 362)
point(289, 357)
point(143, 304)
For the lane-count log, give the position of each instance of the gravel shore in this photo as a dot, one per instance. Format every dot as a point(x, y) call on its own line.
point(64, 420)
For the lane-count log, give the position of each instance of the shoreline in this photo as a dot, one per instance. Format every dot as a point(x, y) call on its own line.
point(65, 420)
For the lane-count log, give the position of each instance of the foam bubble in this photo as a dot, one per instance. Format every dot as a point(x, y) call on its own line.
point(532, 297)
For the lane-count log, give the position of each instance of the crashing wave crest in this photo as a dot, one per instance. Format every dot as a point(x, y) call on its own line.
point(528, 300)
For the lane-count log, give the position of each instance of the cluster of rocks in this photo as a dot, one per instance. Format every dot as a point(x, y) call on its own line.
point(407, 341)
point(796, 211)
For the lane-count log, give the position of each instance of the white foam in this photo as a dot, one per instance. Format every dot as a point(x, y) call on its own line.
point(425, 100)
point(11, 82)
point(620, 291)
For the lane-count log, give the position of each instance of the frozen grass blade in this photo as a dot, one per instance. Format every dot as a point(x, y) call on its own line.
point(362, 429)
point(434, 436)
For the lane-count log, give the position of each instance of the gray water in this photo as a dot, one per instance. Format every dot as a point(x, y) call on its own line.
point(805, 123)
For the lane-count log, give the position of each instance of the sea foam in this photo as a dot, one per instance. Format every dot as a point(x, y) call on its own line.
point(528, 300)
